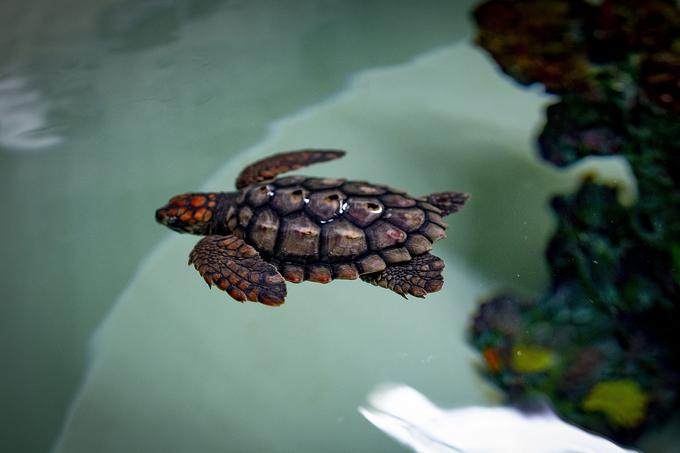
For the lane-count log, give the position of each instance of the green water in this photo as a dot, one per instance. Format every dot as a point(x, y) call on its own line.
point(152, 98)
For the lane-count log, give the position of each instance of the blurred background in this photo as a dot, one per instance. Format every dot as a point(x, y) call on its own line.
point(108, 342)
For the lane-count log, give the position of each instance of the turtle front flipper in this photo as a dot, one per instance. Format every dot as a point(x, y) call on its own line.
point(418, 277)
point(235, 267)
point(272, 166)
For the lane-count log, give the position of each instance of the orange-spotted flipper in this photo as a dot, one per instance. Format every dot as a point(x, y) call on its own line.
point(235, 267)
point(272, 166)
point(418, 277)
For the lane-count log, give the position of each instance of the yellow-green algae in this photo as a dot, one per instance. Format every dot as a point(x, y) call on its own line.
point(528, 358)
point(622, 401)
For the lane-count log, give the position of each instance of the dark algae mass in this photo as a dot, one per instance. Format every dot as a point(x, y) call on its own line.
point(601, 344)
point(298, 228)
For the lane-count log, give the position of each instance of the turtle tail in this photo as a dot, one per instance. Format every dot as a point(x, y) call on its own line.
point(448, 202)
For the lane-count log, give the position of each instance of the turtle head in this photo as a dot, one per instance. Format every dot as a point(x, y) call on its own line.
point(193, 213)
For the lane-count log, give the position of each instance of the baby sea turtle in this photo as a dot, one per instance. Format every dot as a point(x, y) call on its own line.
point(300, 228)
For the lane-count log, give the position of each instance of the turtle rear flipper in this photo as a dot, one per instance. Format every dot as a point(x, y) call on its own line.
point(448, 202)
point(418, 277)
point(272, 166)
point(235, 267)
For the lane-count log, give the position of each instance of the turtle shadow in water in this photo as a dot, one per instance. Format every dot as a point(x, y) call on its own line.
point(506, 223)
point(503, 230)
point(509, 221)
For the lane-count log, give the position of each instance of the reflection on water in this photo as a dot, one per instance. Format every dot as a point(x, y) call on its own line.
point(409, 417)
point(23, 117)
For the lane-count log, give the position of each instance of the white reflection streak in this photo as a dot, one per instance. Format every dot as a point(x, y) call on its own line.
point(409, 417)
point(22, 116)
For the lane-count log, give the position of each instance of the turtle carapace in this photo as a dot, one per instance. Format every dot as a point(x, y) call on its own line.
point(299, 228)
